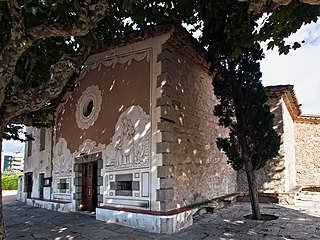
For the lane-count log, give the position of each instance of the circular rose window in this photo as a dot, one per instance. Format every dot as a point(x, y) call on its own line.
point(88, 107)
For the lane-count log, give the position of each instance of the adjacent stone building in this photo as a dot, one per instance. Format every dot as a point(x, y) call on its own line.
point(307, 144)
point(136, 141)
point(298, 163)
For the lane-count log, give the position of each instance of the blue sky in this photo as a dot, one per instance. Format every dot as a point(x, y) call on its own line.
point(300, 68)
point(12, 146)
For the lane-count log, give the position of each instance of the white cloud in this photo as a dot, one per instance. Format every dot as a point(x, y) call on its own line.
point(300, 68)
point(10, 146)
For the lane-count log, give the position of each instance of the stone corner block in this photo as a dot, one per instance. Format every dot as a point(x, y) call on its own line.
point(165, 126)
point(164, 195)
point(163, 147)
point(165, 171)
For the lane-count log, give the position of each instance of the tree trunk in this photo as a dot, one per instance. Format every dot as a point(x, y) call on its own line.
point(253, 192)
point(2, 233)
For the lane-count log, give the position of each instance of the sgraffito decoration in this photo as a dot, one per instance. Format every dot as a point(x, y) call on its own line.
point(130, 146)
point(88, 107)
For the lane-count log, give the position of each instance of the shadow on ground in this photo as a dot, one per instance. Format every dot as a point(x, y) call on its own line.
point(297, 222)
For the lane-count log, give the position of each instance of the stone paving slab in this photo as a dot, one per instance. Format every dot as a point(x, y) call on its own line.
point(301, 221)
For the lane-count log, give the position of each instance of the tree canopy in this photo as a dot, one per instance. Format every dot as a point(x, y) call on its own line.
point(43, 44)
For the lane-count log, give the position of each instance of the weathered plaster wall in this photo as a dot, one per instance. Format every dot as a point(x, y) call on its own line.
point(307, 138)
point(193, 168)
point(39, 161)
point(124, 76)
point(279, 174)
point(121, 87)
point(116, 80)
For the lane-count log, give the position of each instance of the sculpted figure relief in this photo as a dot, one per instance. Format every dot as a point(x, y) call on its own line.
point(130, 144)
point(62, 161)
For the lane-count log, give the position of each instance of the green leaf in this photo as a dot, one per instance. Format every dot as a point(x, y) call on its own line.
point(270, 45)
point(296, 45)
point(32, 10)
point(76, 5)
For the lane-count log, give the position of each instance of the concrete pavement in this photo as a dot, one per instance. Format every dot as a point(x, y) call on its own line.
point(9, 196)
point(295, 222)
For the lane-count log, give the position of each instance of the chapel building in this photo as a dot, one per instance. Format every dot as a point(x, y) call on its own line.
point(136, 141)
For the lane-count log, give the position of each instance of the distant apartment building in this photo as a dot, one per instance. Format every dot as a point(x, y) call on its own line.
point(13, 161)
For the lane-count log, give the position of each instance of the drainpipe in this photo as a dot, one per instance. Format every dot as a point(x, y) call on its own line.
point(51, 162)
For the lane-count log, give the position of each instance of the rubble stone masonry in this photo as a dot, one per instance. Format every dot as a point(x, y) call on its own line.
point(279, 173)
point(193, 168)
point(307, 138)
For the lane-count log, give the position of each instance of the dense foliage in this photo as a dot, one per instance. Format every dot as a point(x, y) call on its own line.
point(43, 44)
point(10, 182)
point(52, 34)
point(245, 111)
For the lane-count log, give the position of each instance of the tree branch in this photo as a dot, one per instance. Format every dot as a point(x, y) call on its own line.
point(259, 6)
point(89, 15)
point(13, 49)
point(34, 99)
point(20, 39)
point(17, 29)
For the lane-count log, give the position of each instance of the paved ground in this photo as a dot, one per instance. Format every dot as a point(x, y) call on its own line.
point(9, 196)
point(296, 222)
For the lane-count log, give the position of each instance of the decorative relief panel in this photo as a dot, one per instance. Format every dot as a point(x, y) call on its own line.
point(113, 60)
point(62, 162)
point(88, 107)
point(130, 144)
point(88, 146)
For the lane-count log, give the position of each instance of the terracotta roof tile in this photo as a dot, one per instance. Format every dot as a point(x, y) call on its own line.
point(288, 94)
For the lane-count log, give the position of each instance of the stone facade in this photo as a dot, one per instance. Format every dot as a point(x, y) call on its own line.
point(307, 140)
point(138, 138)
point(134, 121)
point(298, 163)
point(38, 161)
point(279, 173)
point(193, 168)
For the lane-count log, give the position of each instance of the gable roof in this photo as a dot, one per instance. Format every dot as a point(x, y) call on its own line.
point(180, 38)
point(287, 93)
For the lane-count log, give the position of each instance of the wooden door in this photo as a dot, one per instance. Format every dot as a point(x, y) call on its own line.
point(89, 186)
point(28, 184)
point(41, 181)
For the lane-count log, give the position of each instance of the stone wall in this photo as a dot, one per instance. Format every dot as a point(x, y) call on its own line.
point(307, 138)
point(289, 150)
point(279, 173)
point(193, 169)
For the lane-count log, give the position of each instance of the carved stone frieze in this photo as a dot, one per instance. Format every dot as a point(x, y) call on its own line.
point(130, 146)
point(112, 61)
point(88, 107)
point(62, 160)
point(88, 146)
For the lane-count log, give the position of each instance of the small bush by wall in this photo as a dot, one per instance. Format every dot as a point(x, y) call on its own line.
point(10, 182)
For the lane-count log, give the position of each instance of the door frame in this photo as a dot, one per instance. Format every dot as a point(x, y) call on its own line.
point(28, 184)
point(77, 195)
point(41, 182)
point(89, 178)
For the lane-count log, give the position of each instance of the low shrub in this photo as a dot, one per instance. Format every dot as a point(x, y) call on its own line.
point(10, 182)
